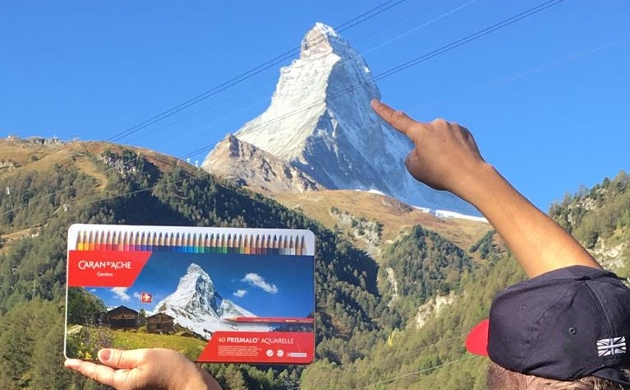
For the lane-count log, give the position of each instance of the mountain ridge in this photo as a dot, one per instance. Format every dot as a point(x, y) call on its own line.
point(18, 155)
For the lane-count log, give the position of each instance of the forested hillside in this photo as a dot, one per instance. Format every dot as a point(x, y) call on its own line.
point(38, 206)
point(600, 218)
point(429, 354)
point(398, 324)
point(432, 355)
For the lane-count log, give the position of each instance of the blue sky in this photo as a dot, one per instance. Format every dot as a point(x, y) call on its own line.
point(272, 285)
point(546, 97)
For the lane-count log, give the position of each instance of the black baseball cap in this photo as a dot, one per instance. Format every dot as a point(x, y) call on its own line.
point(566, 324)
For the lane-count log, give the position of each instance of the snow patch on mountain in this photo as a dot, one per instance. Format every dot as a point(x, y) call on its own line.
point(452, 214)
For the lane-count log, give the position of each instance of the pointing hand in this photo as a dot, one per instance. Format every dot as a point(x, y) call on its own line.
point(445, 156)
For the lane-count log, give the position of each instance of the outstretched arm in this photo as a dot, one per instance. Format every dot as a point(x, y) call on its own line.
point(159, 369)
point(446, 157)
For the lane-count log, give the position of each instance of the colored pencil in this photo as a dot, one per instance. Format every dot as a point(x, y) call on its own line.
point(247, 245)
point(224, 244)
point(299, 246)
point(231, 245)
point(254, 243)
point(108, 241)
point(79, 243)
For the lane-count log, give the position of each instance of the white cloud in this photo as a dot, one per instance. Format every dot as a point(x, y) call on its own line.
point(137, 295)
point(258, 281)
point(121, 293)
point(240, 293)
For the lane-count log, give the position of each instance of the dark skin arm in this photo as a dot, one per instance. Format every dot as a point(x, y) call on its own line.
point(446, 157)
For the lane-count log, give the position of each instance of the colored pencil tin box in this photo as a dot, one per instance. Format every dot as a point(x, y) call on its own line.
point(224, 295)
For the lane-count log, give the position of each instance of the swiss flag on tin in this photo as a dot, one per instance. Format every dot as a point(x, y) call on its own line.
point(145, 297)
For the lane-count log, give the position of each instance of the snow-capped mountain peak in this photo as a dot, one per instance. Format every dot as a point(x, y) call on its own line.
point(321, 40)
point(196, 305)
point(195, 291)
point(320, 122)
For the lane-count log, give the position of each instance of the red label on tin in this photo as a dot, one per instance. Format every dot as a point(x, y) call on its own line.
point(104, 268)
point(260, 347)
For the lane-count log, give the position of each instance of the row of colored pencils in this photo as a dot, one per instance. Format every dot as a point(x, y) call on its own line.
point(226, 243)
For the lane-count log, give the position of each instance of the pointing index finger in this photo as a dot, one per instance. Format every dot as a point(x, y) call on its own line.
point(397, 119)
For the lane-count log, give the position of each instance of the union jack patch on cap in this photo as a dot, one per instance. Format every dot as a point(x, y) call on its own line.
point(611, 346)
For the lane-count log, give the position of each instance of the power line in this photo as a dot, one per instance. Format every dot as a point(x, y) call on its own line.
point(345, 26)
point(207, 147)
point(416, 372)
point(564, 60)
point(408, 374)
point(472, 37)
point(442, 16)
point(456, 9)
point(348, 24)
point(416, 61)
point(248, 74)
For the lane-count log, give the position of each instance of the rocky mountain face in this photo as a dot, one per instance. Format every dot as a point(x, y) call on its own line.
point(247, 165)
point(319, 132)
point(196, 305)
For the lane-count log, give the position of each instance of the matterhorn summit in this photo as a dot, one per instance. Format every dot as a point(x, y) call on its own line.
point(320, 122)
point(195, 305)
